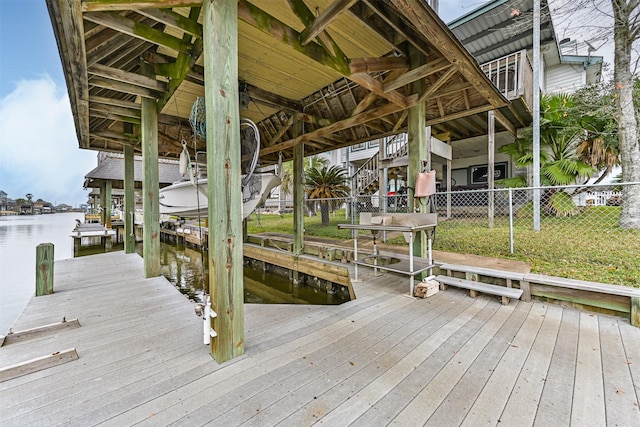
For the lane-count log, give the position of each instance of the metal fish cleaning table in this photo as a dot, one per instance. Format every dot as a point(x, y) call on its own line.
point(409, 225)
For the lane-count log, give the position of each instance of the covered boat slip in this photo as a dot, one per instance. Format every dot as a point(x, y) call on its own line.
point(383, 358)
point(313, 76)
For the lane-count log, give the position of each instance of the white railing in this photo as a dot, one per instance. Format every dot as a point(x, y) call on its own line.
point(510, 73)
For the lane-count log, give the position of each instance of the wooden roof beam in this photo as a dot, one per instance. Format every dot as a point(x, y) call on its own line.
point(116, 110)
point(138, 30)
point(118, 136)
point(399, 27)
point(438, 83)
point(459, 115)
point(306, 16)
point(505, 122)
point(325, 19)
point(120, 86)
point(372, 65)
point(256, 93)
point(365, 80)
point(417, 74)
point(127, 77)
point(111, 5)
point(174, 20)
point(359, 119)
point(266, 23)
point(421, 16)
point(114, 101)
point(366, 102)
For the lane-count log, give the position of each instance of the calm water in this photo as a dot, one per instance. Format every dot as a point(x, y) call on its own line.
point(19, 237)
point(183, 266)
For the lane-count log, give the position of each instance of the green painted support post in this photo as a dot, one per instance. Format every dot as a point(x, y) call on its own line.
point(226, 287)
point(417, 137)
point(298, 190)
point(635, 311)
point(129, 202)
point(150, 187)
point(44, 269)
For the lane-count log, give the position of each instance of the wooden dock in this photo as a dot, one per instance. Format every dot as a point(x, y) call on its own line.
point(384, 358)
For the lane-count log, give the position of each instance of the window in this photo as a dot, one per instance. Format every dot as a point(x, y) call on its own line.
point(359, 147)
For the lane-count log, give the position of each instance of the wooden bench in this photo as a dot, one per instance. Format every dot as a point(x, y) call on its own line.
point(472, 273)
point(601, 295)
point(475, 287)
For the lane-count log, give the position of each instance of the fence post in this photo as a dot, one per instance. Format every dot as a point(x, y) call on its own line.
point(44, 269)
point(511, 220)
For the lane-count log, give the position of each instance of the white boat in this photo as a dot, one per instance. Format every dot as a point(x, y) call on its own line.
point(189, 198)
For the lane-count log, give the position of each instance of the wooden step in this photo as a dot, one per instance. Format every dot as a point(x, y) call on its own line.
point(485, 288)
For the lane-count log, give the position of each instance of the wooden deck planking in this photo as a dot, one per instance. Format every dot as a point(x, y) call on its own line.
point(427, 400)
point(349, 366)
point(381, 358)
point(588, 393)
point(227, 411)
point(620, 396)
point(464, 393)
point(523, 402)
point(556, 400)
point(490, 403)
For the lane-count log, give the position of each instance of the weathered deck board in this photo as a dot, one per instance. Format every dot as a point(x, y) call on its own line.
point(588, 394)
point(383, 358)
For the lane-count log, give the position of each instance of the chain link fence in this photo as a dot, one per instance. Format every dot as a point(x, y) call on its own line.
point(578, 236)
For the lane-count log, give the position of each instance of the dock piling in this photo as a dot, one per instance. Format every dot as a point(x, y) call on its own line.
point(44, 269)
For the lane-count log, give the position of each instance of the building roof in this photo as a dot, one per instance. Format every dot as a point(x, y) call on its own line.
point(342, 68)
point(112, 168)
point(501, 27)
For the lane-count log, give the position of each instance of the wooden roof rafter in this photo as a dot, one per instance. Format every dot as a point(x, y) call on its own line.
point(346, 59)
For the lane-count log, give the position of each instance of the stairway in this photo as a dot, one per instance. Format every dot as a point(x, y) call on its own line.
point(365, 179)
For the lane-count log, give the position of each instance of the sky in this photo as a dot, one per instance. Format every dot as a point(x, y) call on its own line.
point(39, 151)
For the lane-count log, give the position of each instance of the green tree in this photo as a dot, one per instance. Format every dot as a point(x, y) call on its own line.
point(286, 184)
point(560, 134)
point(326, 183)
point(29, 196)
point(599, 145)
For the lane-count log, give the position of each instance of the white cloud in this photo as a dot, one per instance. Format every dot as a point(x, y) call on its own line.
point(39, 151)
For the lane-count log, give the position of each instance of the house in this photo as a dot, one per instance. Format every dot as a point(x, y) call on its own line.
point(108, 177)
point(502, 43)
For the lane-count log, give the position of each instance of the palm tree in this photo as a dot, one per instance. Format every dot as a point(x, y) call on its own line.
point(559, 163)
point(326, 183)
point(286, 180)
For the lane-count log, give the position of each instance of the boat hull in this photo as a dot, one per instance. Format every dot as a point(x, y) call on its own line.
point(189, 199)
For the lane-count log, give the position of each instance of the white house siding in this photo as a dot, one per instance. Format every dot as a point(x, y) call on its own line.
point(565, 78)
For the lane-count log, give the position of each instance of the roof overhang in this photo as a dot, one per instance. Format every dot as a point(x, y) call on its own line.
point(343, 69)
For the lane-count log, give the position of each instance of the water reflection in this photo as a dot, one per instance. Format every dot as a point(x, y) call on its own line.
point(187, 269)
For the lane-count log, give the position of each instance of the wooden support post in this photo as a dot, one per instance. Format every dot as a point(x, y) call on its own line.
point(491, 147)
point(44, 269)
point(107, 206)
point(220, 19)
point(449, 177)
point(417, 140)
point(129, 202)
point(298, 190)
point(150, 188)
point(103, 204)
point(635, 311)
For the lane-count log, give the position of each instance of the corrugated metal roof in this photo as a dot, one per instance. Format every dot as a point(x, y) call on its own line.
point(501, 27)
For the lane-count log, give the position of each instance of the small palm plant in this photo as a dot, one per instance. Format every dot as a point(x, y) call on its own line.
point(559, 162)
point(326, 183)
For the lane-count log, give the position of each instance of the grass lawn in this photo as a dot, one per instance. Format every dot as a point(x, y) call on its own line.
point(589, 246)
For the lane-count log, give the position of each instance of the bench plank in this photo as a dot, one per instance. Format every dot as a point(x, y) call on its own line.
point(480, 287)
point(503, 274)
